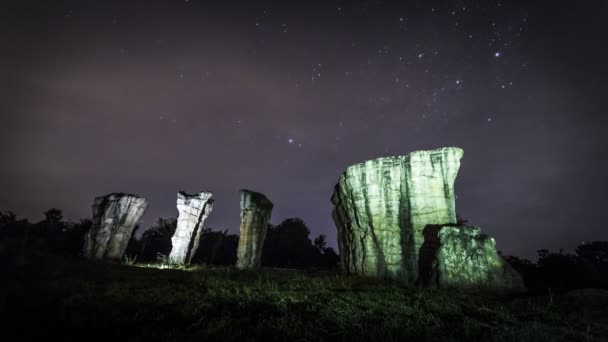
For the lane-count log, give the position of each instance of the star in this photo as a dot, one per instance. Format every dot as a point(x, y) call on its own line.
point(497, 54)
point(290, 140)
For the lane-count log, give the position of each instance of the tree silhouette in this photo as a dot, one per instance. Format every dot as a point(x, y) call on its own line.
point(53, 216)
point(321, 242)
point(596, 252)
point(288, 245)
point(461, 221)
point(154, 241)
point(217, 248)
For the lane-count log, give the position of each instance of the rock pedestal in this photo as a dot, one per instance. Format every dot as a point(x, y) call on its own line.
point(461, 256)
point(193, 210)
point(255, 216)
point(114, 218)
point(381, 207)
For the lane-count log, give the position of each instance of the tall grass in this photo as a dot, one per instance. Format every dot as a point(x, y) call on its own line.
point(93, 300)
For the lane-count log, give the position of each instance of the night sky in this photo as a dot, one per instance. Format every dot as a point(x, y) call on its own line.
point(155, 97)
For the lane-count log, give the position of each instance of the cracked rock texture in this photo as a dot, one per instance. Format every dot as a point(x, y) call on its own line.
point(193, 210)
point(381, 207)
point(114, 218)
point(465, 257)
point(255, 216)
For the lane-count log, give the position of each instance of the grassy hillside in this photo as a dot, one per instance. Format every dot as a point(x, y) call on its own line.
point(77, 299)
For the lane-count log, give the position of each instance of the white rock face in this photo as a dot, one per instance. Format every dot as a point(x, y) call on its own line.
point(256, 210)
point(193, 210)
point(114, 218)
point(381, 207)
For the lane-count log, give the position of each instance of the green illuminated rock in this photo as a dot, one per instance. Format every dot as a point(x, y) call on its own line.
point(462, 256)
point(255, 215)
point(381, 207)
point(114, 218)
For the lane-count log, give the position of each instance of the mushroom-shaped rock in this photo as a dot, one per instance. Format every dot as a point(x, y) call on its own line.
point(462, 256)
point(192, 209)
point(114, 218)
point(255, 215)
point(381, 207)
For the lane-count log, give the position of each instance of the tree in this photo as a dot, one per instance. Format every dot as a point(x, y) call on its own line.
point(321, 242)
point(461, 221)
point(14, 234)
point(53, 216)
point(7, 218)
point(155, 240)
point(217, 247)
point(595, 251)
point(289, 245)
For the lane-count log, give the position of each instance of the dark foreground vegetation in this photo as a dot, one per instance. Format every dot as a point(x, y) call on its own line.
point(51, 298)
point(47, 292)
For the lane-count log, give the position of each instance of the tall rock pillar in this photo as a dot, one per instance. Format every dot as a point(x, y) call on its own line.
point(193, 210)
point(114, 218)
point(381, 207)
point(255, 216)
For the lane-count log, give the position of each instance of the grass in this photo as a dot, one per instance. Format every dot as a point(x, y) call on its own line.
point(70, 299)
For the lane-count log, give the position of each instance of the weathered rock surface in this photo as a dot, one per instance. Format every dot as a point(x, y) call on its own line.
point(193, 210)
point(465, 257)
point(114, 218)
point(381, 207)
point(255, 215)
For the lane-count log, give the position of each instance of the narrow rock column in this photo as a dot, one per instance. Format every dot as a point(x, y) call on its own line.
point(193, 210)
point(255, 215)
point(114, 218)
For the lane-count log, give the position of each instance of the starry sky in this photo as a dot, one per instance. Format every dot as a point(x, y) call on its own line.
point(155, 97)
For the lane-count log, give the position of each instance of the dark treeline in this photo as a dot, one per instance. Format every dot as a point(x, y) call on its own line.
point(287, 245)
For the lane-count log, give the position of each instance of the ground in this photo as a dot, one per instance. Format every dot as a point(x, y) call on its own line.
point(76, 299)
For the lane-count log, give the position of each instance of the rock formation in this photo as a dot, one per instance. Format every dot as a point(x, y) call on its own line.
point(114, 218)
point(255, 215)
point(193, 210)
point(381, 207)
point(461, 256)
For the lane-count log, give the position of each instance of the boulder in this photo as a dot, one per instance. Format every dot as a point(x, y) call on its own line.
point(192, 209)
point(462, 256)
point(255, 216)
point(114, 218)
point(381, 207)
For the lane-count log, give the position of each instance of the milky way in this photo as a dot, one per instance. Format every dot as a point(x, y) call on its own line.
point(184, 95)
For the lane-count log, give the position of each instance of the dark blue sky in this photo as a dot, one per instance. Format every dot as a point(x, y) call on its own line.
point(185, 95)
